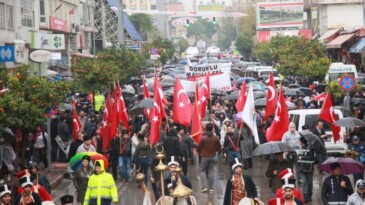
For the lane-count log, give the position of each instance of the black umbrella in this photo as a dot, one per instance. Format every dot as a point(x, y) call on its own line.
point(166, 85)
point(218, 93)
point(271, 148)
point(238, 72)
point(294, 86)
point(9, 135)
point(139, 108)
point(259, 94)
point(306, 91)
point(127, 93)
point(232, 96)
point(358, 100)
point(261, 102)
point(150, 69)
point(313, 140)
point(349, 122)
point(293, 92)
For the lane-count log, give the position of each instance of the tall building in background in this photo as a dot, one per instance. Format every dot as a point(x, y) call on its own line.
point(143, 5)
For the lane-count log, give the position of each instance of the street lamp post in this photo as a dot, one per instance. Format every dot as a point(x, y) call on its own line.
point(120, 23)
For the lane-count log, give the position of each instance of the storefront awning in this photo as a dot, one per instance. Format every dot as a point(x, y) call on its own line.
point(358, 46)
point(337, 42)
point(329, 35)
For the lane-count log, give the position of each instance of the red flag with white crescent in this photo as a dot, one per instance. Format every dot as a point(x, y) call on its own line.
point(76, 124)
point(328, 114)
point(240, 103)
point(122, 109)
point(182, 107)
point(105, 124)
point(271, 100)
point(146, 95)
point(196, 129)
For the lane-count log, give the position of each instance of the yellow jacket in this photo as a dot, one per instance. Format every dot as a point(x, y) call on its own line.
point(101, 186)
point(99, 101)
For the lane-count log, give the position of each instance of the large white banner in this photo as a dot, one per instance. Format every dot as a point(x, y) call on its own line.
point(199, 70)
point(218, 82)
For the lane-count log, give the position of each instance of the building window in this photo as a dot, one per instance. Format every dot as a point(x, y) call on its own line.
point(132, 7)
point(143, 7)
point(42, 12)
point(27, 13)
point(2, 16)
point(9, 17)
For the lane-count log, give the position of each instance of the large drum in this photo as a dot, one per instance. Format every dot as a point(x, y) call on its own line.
point(249, 201)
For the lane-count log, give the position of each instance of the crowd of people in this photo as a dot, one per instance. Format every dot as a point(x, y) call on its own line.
point(290, 174)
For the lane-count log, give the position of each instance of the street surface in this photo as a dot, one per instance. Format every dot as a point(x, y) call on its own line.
point(129, 193)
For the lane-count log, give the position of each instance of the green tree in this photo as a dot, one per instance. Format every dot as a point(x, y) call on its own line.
point(294, 55)
point(99, 73)
point(165, 47)
point(142, 22)
point(28, 98)
point(248, 23)
point(227, 32)
point(244, 44)
point(202, 29)
point(183, 44)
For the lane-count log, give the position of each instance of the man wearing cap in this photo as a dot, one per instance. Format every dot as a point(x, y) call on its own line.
point(27, 196)
point(5, 194)
point(81, 178)
point(36, 188)
point(275, 167)
point(289, 197)
point(67, 200)
point(39, 177)
point(171, 176)
point(101, 188)
point(208, 146)
point(336, 188)
point(239, 186)
point(305, 165)
point(358, 197)
point(287, 176)
point(359, 147)
point(86, 146)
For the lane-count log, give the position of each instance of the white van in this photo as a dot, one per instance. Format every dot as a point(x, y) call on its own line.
point(337, 70)
point(192, 51)
point(213, 51)
point(267, 71)
point(310, 117)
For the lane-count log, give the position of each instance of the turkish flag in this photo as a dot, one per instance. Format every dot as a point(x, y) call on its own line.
point(156, 119)
point(321, 97)
point(76, 124)
point(114, 114)
point(240, 103)
point(271, 99)
point(105, 133)
point(328, 114)
point(146, 95)
point(159, 88)
point(182, 107)
point(157, 91)
point(204, 95)
point(196, 129)
point(281, 120)
point(122, 109)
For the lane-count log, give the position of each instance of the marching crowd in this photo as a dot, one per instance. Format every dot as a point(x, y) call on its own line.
point(290, 174)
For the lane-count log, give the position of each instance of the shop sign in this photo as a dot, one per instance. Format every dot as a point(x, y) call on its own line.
point(58, 24)
point(40, 56)
point(56, 56)
point(6, 54)
point(47, 41)
point(20, 51)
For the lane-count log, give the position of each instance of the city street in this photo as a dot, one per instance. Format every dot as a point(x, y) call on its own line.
point(130, 194)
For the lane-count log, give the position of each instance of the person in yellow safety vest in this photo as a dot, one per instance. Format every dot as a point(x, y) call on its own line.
point(99, 101)
point(101, 188)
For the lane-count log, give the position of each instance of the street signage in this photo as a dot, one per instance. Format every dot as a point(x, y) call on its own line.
point(40, 56)
point(347, 83)
point(154, 57)
point(7, 54)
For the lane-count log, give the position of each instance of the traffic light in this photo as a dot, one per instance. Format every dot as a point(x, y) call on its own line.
point(187, 23)
point(214, 22)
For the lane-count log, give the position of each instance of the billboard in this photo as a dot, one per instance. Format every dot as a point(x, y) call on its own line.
point(47, 41)
point(211, 7)
point(280, 14)
point(263, 36)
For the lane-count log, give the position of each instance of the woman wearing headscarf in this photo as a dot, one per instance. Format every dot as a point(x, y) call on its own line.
point(81, 178)
point(39, 152)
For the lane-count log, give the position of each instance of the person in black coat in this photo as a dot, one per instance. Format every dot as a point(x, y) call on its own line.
point(27, 196)
point(184, 142)
point(171, 177)
point(336, 188)
point(319, 131)
point(246, 189)
point(75, 145)
point(171, 147)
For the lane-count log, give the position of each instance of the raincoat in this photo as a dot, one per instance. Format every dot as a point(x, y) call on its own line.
point(101, 188)
point(355, 198)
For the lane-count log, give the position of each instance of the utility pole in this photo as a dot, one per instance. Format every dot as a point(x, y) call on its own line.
point(120, 23)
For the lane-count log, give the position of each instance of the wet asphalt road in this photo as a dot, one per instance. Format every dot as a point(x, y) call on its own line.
point(129, 193)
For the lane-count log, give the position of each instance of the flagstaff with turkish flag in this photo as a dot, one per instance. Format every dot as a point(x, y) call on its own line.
point(157, 91)
point(249, 115)
point(122, 109)
point(271, 100)
point(182, 107)
point(281, 120)
point(196, 128)
point(328, 114)
point(156, 118)
point(114, 114)
point(146, 95)
point(204, 95)
point(240, 103)
point(76, 124)
point(105, 133)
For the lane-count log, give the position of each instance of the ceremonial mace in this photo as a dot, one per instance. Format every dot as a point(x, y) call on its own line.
point(161, 167)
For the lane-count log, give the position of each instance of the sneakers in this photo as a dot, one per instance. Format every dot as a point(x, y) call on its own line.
point(211, 190)
point(204, 190)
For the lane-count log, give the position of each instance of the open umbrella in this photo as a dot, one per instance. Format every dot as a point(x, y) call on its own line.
point(294, 86)
point(139, 108)
point(127, 93)
point(259, 94)
point(76, 161)
point(293, 92)
point(261, 102)
point(358, 100)
point(290, 105)
point(313, 140)
point(9, 135)
point(232, 96)
point(271, 148)
point(349, 122)
point(348, 165)
point(166, 85)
